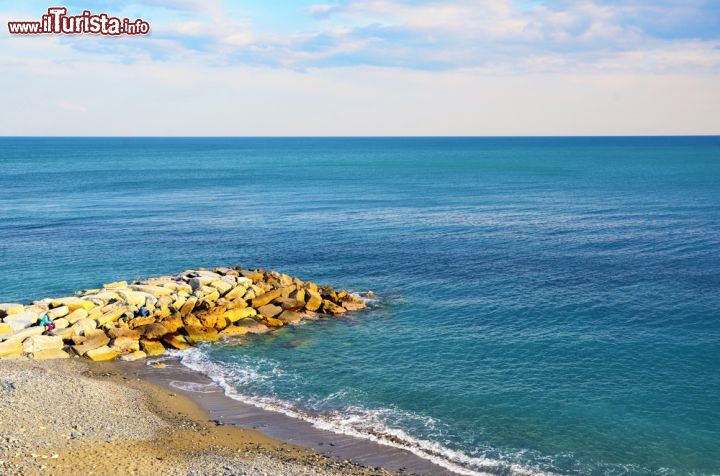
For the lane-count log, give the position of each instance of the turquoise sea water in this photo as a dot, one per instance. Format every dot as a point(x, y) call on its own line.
point(544, 305)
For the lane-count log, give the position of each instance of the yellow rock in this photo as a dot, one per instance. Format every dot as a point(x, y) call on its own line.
point(25, 333)
point(290, 317)
point(179, 302)
point(76, 315)
point(50, 354)
point(111, 316)
point(116, 285)
point(156, 291)
point(233, 331)
point(330, 307)
point(188, 306)
point(272, 322)
point(102, 353)
point(314, 300)
point(8, 309)
point(58, 312)
point(235, 293)
point(11, 348)
point(35, 344)
point(266, 298)
point(125, 345)
point(177, 341)
point(134, 298)
point(234, 315)
point(221, 286)
point(152, 347)
point(201, 334)
point(5, 328)
point(72, 303)
point(137, 355)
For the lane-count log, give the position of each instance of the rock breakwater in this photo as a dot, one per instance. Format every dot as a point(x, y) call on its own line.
point(134, 320)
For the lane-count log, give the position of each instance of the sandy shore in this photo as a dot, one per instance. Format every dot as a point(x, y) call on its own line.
point(76, 417)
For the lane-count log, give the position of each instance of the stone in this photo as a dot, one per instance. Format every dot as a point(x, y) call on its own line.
point(116, 332)
point(299, 295)
point(116, 285)
point(289, 303)
point(82, 326)
point(234, 315)
point(231, 331)
point(265, 298)
point(290, 317)
point(176, 341)
point(133, 298)
point(23, 334)
point(330, 307)
point(92, 340)
point(21, 320)
point(141, 321)
point(5, 328)
point(353, 305)
point(8, 309)
point(153, 331)
point(58, 312)
point(236, 293)
point(201, 334)
point(222, 286)
point(111, 315)
point(179, 302)
point(189, 305)
point(50, 354)
point(61, 323)
point(172, 323)
point(102, 353)
point(269, 310)
point(125, 345)
point(11, 348)
point(314, 301)
point(137, 355)
point(72, 303)
point(254, 276)
point(152, 347)
point(252, 326)
point(76, 315)
point(272, 322)
point(38, 343)
point(156, 291)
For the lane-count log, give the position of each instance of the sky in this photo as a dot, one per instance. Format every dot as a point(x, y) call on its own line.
point(369, 67)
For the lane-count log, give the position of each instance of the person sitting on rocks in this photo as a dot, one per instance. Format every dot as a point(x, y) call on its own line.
point(47, 322)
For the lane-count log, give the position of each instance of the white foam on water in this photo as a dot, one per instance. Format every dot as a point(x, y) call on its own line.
point(352, 421)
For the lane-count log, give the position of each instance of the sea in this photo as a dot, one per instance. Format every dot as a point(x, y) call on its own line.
point(541, 305)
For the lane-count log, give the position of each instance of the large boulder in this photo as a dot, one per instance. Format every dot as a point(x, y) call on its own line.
point(314, 300)
point(22, 320)
point(252, 326)
point(23, 334)
point(93, 339)
point(153, 331)
point(330, 307)
point(266, 298)
point(76, 315)
point(234, 315)
point(58, 312)
point(38, 343)
point(288, 303)
point(152, 347)
point(7, 309)
point(201, 334)
point(102, 353)
point(50, 354)
point(176, 341)
point(13, 348)
point(5, 329)
point(269, 310)
point(231, 331)
point(137, 355)
point(125, 345)
point(290, 317)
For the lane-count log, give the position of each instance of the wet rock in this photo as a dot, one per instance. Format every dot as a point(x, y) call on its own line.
point(152, 347)
point(153, 331)
point(288, 303)
point(329, 307)
point(231, 331)
point(201, 334)
point(176, 341)
point(269, 310)
point(290, 317)
point(252, 326)
point(272, 322)
point(314, 300)
point(137, 355)
point(102, 353)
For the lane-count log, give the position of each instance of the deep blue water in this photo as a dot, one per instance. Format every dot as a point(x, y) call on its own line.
point(545, 305)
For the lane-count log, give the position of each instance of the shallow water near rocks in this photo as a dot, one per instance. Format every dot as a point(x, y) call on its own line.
point(544, 305)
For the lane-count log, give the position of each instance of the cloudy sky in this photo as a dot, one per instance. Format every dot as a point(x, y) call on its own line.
point(369, 67)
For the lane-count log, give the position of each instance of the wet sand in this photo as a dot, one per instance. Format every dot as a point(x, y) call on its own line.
point(212, 399)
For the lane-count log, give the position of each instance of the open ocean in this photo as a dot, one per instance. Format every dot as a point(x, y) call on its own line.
point(544, 305)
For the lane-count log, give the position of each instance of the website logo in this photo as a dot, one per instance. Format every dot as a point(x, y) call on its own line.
point(58, 22)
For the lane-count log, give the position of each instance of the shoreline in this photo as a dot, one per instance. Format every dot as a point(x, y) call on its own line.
point(114, 423)
point(212, 399)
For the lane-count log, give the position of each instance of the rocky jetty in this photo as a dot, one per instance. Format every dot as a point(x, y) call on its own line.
point(131, 321)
